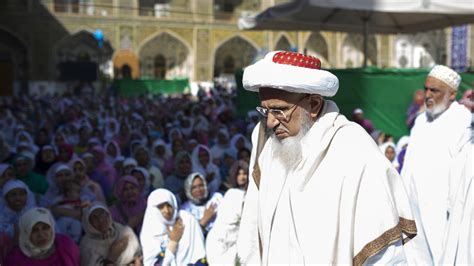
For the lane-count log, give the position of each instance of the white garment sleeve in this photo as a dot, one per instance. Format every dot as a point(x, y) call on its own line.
point(169, 259)
point(151, 248)
point(248, 250)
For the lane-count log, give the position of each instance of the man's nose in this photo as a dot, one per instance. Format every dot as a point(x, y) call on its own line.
point(272, 122)
point(428, 94)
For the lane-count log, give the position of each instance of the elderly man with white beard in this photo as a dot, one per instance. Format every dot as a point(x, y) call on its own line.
point(321, 192)
point(438, 164)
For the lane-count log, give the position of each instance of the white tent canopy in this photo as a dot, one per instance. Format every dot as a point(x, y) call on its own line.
point(363, 16)
point(384, 16)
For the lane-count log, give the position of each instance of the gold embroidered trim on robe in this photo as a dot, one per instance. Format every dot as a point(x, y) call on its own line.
point(404, 226)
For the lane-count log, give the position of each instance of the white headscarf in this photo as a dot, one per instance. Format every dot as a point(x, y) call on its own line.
point(109, 133)
point(90, 230)
point(95, 245)
point(26, 224)
point(29, 140)
point(8, 215)
point(236, 138)
point(154, 220)
point(188, 184)
point(154, 235)
point(53, 190)
point(214, 185)
point(3, 168)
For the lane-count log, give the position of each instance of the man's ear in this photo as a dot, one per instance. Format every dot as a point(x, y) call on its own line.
point(316, 103)
point(452, 94)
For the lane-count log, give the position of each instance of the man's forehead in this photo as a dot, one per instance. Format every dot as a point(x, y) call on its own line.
point(433, 82)
point(267, 93)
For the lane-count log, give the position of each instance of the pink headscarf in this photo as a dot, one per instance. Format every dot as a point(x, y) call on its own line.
point(105, 169)
point(122, 211)
point(140, 204)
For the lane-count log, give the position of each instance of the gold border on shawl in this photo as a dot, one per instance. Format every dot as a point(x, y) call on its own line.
point(388, 237)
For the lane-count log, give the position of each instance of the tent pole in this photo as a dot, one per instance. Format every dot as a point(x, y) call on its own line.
point(366, 37)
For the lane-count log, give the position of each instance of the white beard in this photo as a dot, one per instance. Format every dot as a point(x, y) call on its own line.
point(288, 151)
point(437, 109)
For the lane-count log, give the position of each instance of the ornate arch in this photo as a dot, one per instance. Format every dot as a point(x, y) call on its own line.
point(316, 44)
point(174, 49)
point(226, 53)
point(352, 50)
point(282, 37)
point(123, 58)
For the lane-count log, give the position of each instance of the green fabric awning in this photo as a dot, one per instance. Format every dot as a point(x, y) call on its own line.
point(133, 88)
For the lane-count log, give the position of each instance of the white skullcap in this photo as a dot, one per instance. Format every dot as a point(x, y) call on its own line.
point(357, 111)
point(292, 72)
point(446, 75)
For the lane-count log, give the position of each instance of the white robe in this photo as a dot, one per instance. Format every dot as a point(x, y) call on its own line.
point(430, 168)
point(459, 236)
point(221, 241)
point(343, 204)
point(154, 234)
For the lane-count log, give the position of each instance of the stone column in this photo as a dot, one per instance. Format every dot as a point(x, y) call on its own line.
point(203, 63)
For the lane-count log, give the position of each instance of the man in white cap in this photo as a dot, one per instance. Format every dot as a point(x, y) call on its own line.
point(321, 192)
point(439, 158)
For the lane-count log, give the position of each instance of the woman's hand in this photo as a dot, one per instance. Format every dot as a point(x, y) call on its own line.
point(117, 247)
point(175, 235)
point(177, 232)
point(209, 213)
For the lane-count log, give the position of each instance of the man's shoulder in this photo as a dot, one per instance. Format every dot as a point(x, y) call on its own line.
point(463, 113)
point(353, 142)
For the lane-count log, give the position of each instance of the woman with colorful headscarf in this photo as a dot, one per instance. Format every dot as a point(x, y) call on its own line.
point(105, 169)
point(203, 163)
point(106, 242)
point(130, 206)
point(169, 236)
point(201, 203)
point(65, 153)
point(39, 244)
